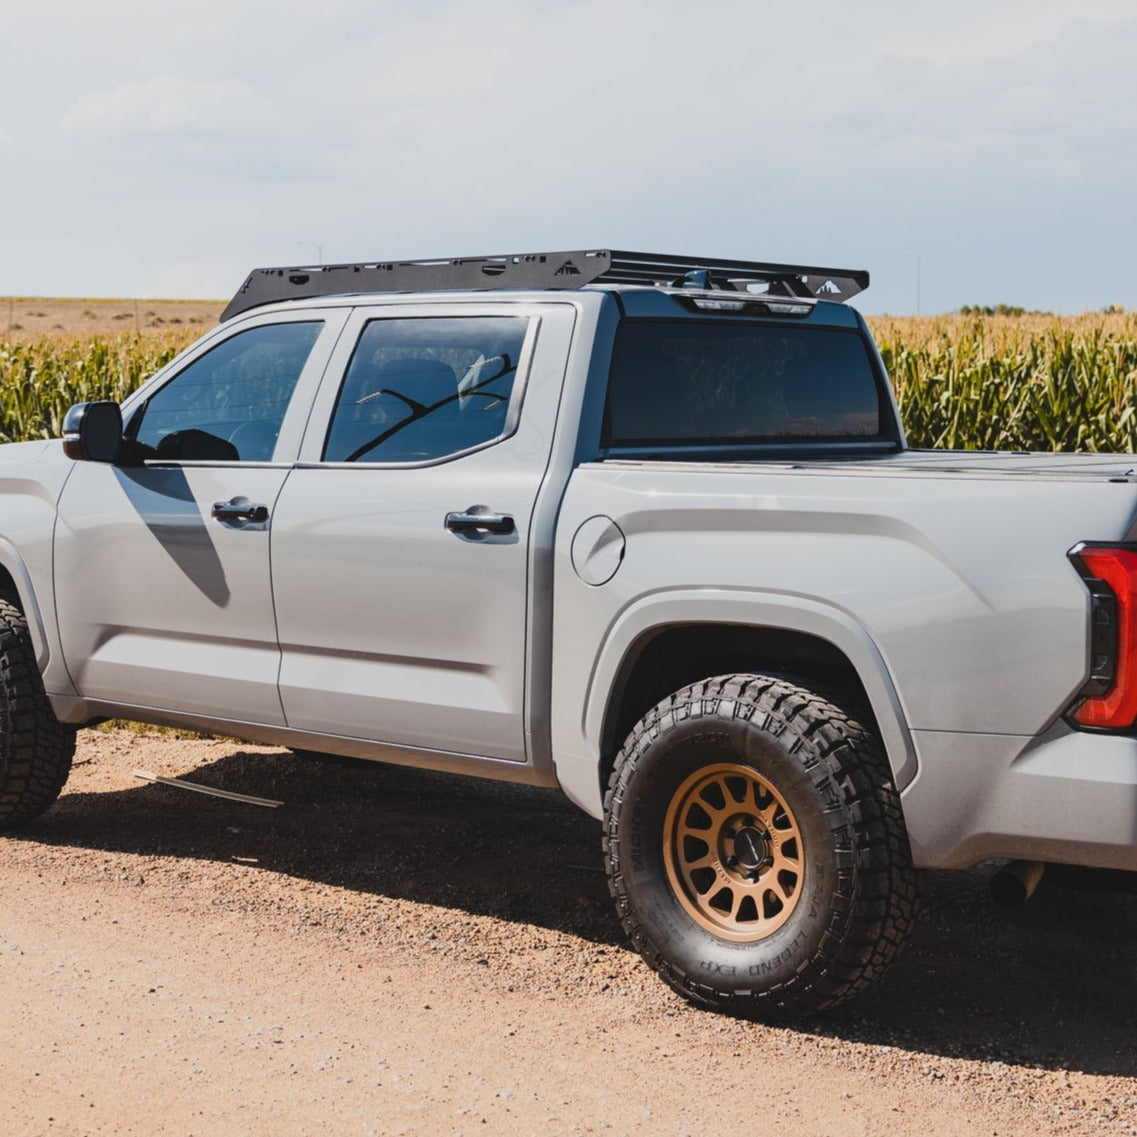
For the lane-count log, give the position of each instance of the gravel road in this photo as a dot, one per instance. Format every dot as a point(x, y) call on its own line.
point(401, 952)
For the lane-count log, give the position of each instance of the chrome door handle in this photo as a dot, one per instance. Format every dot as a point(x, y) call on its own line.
point(479, 519)
point(239, 509)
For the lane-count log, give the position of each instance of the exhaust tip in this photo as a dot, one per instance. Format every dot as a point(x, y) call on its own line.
point(1014, 884)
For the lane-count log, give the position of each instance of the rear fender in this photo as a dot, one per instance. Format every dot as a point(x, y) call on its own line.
point(578, 747)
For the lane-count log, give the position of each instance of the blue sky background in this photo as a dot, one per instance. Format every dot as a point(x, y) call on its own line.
point(162, 150)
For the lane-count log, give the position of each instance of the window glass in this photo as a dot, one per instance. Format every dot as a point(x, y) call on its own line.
point(228, 404)
point(424, 388)
point(689, 382)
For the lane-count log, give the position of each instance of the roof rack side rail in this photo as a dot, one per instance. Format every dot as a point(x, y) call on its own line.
point(542, 271)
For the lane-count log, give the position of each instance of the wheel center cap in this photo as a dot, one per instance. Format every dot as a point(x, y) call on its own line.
point(751, 848)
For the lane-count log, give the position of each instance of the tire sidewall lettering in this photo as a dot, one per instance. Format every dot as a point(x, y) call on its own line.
point(681, 748)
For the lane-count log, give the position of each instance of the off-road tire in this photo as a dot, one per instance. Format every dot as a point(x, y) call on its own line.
point(823, 784)
point(35, 748)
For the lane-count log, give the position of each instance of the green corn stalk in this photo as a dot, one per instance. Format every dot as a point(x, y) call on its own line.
point(969, 383)
point(41, 379)
point(1030, 384)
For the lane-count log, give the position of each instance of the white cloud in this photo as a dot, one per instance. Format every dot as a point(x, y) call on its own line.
point(167, 105)
point(238, 132)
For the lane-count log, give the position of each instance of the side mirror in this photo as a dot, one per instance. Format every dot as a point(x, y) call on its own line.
point(92, 432)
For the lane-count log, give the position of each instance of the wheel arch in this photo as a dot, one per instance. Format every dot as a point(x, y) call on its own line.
point(654, 647)
point(16, 582)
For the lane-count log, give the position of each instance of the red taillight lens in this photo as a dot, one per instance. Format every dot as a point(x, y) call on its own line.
point(1116, 707)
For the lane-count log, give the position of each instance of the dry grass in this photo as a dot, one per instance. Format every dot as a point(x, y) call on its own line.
point(35, 318)
point(1001, 333)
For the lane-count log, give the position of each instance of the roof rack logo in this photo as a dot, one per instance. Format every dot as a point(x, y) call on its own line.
point(831, 288)
point(567, 269)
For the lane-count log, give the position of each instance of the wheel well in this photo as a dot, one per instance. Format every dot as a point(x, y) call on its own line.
point(668, 659)
point(8, 588)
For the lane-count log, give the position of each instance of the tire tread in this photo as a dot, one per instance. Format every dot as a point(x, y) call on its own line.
point(876, 891)
point(35, 748)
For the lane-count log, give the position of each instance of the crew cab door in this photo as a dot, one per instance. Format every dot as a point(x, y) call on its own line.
point(401, 558)
point(162, 566)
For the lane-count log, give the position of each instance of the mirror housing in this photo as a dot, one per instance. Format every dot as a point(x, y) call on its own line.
point(92, 432)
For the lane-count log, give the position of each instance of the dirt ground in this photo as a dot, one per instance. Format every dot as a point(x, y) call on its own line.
point(31, 317)
point(399, 952)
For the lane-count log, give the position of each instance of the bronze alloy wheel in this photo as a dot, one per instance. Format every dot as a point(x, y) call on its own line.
point(756, 849)
point(733, 853)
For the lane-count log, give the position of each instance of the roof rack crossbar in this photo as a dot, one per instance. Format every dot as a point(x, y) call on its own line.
point(542, 271)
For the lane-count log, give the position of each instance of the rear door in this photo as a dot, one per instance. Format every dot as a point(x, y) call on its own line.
point(401, 542)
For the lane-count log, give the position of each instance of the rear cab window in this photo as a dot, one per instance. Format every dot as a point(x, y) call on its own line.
point(692, 386)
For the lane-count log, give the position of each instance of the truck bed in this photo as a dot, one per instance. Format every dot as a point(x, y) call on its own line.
point(945, 463)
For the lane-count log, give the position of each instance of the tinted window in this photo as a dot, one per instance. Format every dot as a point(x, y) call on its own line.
point(229, 403)
point(688, 382)
point(421, 389)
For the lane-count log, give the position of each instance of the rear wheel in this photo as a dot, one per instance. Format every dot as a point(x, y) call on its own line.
point(35, 748)
point(755, 847)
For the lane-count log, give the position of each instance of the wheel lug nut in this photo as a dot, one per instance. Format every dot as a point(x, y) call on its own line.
point(728, 833)
point(731, 862)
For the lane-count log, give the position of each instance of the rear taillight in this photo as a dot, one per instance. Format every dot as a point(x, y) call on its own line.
point(1109, 699)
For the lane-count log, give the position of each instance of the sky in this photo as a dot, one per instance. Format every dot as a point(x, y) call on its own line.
point(963, 153)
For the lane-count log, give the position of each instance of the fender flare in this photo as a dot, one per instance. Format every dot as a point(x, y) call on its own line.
point(658, 611)
point(11, 560)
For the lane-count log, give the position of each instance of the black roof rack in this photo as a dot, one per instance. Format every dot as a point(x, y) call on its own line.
point(545, 270)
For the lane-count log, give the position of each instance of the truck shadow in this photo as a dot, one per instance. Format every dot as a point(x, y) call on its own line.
point(1052, 985)
point(489, 848)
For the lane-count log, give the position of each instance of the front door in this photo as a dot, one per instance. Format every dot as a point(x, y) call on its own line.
point(162, 565)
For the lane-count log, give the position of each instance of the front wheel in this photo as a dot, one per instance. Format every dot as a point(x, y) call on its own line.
point(35, 748)
point(755, 848)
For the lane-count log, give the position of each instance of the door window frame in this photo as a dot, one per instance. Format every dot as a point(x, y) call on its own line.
point(299, 407)
point(335, 373)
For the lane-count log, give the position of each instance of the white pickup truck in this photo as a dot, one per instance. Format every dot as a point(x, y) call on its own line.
point(645, 528)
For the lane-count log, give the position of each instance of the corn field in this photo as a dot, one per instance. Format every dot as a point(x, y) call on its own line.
point(962, 382)
point(41, 378)
point(1015, 383)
